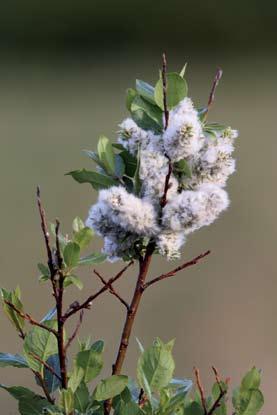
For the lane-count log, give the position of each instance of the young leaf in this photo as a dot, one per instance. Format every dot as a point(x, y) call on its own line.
point(41, 343)
point(77, 225)
point(156, 365)
point(91, 259)
point(183, 71)
point(182, 166)
point(153, 111)
point(72, 254)
point(14, 360)
point(252, 379)
point(72, 279)
point(106, 154)
point(66, 401)
point(83, 237)
point(91, 361)
point(44, 270)
point(177, 90)
point(249, 402)
point(75, 377)
point(145, 90)
point(130, 163)
point(194, 408)
point(97, 180)
point(130, 96)
point(14, 298)
point(81, 398)
point(110, 387)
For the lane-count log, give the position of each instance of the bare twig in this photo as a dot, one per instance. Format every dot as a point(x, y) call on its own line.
point(89, 300)
point(74, 334)
point(216, 80)
point(111, 289)
point(164, 79)
point(30, 319)
point(46, 235)
point(222, 392)
point(45, 364)
point(142, 398)
point(169, 274)
point(201, 390)
point(163, 200)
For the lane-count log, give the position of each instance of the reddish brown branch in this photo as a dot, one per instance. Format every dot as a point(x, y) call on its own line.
point(30, 319)
point(164, 80)
point(201, 390)
point(58, 248)
point(111, 289)
point(216, 80)
point(48, 367)
point(46, 235)
point(74, 334)
point(88, 302)
point(169, 274)
point(222, 392)
point(163, 200)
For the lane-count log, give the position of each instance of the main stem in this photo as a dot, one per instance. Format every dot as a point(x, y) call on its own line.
point(144, 264)
point(60, 336)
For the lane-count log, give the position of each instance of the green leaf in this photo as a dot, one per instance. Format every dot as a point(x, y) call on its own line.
point(153, 111)
point(182, 167)
point(91, 361)
point(137, 180)
point(249, 402)
point(44, 270)
point(202, 114)
point(83, 237)
point(49, 316)
point(72, 279)
point(14, 360)
point(97, 180)
point(51, 381)
point(210, 134)
point(251, 380)
point(156, 364)
point(81, 398)
point(194, 408)
point(124, 405)
point(118, 146)
point(75, 378)
point(106, 154)
point(177, 90)
point(130, 163)
point(146, 91)
point(119, 166)
point(29, 402)
point(91, 259)
point(67, 401)
point(41, 343)
point(14, 298)
point(130, 96)
point(71, 254)
point(144, 121)
point(110, 387)
point(77, 225)
point(94, 156)
point(215, 126)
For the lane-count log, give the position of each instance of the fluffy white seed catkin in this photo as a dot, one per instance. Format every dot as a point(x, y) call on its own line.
point(116, 207)
point(153, 171)
point(192, 209)
point(214, 164)
point(169, 244)
point(131, 137)
point(184, 137)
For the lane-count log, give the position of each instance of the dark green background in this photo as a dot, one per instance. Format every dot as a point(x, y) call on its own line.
point(64, 69)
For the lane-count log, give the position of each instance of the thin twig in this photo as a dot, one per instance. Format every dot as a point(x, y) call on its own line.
point(44, 387)
point(216, 80)
point(45, 234)
point(163, 200)
point(74, 334)
point(46, 365)
point(164, 79)
point(111, 289)
point(221, 395)
point(201, 390)
point(142, 398)
point(217, 378)
point(169, 274)
point(30, 319)
point(87, 304)
point(58, 248)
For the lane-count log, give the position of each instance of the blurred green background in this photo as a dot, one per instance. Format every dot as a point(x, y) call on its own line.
point(64, 69)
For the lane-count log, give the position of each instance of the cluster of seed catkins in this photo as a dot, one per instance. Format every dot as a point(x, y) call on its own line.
point(125, 220)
